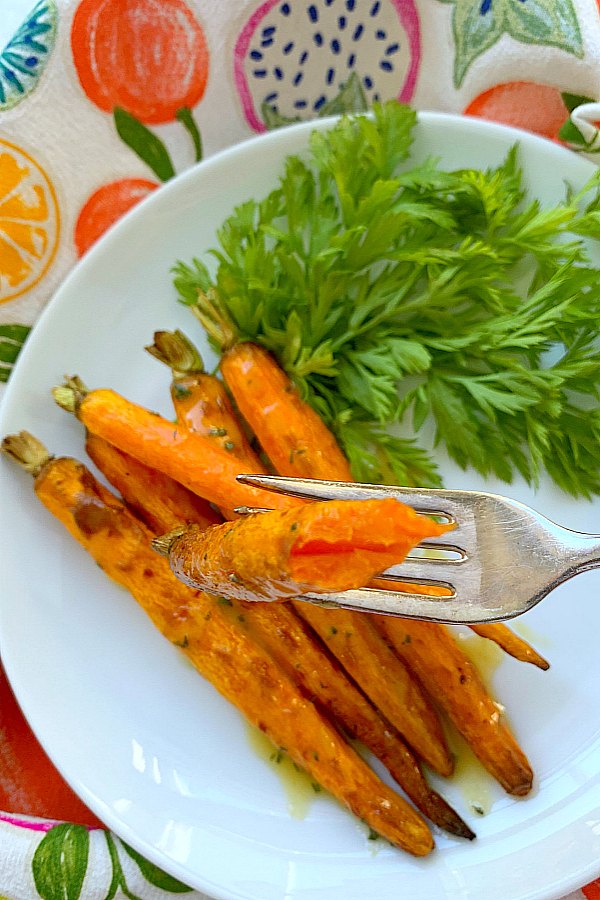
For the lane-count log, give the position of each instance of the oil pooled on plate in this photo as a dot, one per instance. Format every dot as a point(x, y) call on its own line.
point(297, 784)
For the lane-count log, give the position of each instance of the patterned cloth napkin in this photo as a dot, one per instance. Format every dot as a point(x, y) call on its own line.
point(103, 100)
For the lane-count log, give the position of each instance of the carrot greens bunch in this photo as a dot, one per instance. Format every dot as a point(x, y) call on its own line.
point(394, 294)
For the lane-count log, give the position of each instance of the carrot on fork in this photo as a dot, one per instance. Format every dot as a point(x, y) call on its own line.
point(321, 547)
point(241, 670)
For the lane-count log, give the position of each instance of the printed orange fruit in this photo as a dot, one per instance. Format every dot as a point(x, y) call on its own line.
point(105, 206)
point(592, 891)
point(29, 783)
point(522, 104)
point(149, 57)
point(29, 222)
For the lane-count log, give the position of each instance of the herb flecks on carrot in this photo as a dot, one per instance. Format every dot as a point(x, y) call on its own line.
point(294, 437)
point(456, 686)
point(322, 547)
point(189, 458)
point(160, 501)
point(200, 400)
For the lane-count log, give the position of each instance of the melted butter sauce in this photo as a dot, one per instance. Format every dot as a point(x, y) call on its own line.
point(524, 630)
point(296, 783)
point(473, 781)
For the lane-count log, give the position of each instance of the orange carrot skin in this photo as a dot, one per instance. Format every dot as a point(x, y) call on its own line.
point(511, 643)
point(358, 646)
point(191, 459)
point(201, 404)
point(322, 547)
point(454, 683)
point(161, 502)
point(246, 675)
point(293, 436)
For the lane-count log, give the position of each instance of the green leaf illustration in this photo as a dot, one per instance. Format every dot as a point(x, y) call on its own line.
point(60, 862)
point(478, 24)
point(144, 143)
point(476, 27)
point(12, 338)
point(184, 115)
point(155, 875)
point(552, 23)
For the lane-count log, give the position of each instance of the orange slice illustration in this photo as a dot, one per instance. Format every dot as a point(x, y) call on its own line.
point(29, 222)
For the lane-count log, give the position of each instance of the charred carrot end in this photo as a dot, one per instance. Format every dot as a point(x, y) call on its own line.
point(291, 433)
point(322, 547)
point(159, 500)
point(191, 459)
point(454, 683)
point(511, 643)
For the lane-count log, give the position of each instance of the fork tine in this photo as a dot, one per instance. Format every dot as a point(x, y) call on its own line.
point(433, 502)
point(391, 603)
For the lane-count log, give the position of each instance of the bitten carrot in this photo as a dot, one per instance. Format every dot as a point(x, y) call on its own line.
point(243, 672)
point(511, 643)
point(289, 640)
point(189, 458)
point(454, 683)
point(155, 497)
point(321, 547)
point(293, 436)
point(200, 400)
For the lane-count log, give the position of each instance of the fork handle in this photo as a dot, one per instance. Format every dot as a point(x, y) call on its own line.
point(584, 551)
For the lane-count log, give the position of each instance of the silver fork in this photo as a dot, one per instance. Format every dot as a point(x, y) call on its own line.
point(501, 558)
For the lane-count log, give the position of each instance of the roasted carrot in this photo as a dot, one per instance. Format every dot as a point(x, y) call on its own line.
point(243, 672)
point(155, 497)
point(387, 681)
point(454, 683)
point(321, 547)
point(200, 400)
point(293, 645)
point(293, 436)
point(299, 443)
point(511, 643)
point(189, 458)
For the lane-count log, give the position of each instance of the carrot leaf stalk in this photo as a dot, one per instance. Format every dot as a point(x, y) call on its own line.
point(27, 451)
point(177, 352)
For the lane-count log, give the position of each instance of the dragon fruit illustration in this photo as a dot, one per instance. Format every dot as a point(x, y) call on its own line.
point(293, 58)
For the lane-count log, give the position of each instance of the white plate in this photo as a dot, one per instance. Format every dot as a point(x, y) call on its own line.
point(151, 747)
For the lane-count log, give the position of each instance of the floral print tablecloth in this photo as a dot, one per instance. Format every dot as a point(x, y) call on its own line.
point(101, 101)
